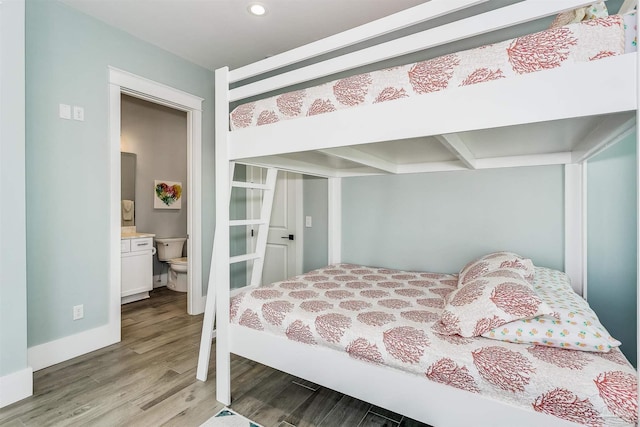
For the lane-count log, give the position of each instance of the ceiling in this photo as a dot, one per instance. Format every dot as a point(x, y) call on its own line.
point(215, 33)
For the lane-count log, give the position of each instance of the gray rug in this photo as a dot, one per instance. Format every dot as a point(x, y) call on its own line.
point(228, 418)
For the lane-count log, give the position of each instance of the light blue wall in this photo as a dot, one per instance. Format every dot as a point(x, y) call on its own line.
point(13, 264)
point(67, 54)
point(440, 221)
point(315, 196)
point(612, 222)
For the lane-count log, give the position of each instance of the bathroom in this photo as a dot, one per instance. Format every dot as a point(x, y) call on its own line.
point(154, 205)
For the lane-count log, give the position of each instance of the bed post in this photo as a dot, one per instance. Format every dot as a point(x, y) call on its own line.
point(335, 220)
point(574, 223)
point(221, 250)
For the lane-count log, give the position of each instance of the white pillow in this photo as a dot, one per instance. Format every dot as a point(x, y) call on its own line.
point(575, 325)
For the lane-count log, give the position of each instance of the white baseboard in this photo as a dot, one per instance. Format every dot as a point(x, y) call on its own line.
point(50, 353)
point(16, 386)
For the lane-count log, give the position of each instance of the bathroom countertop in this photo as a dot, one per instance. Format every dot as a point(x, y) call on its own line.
point(136, 235)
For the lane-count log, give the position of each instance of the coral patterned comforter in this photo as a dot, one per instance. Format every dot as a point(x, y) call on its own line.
point(385, 316)
point(557, 47)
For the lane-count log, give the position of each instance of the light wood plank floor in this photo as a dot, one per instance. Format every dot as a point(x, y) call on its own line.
point(148, 379)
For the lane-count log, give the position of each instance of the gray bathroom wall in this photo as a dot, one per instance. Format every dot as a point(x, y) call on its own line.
point(158, 136)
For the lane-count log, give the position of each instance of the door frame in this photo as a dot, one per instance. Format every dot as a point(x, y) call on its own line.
point(123, 82)
point(253, 208)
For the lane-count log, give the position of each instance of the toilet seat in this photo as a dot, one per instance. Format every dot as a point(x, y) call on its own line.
point(179, 265)
point(178, 261)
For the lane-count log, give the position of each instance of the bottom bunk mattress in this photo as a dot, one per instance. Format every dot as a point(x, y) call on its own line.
point(386, 317)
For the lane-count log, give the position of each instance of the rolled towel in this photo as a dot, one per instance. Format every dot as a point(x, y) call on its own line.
point(127, 210)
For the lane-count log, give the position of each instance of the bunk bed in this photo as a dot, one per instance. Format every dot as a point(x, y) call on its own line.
point(463, 126)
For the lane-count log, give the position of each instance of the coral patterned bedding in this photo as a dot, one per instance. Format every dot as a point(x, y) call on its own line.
point(556, 47)
point(386, 316)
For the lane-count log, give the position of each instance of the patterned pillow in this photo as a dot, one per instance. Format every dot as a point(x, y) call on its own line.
point(488, 302)
point(496, 261)
point(596, 10)
point(575, 327)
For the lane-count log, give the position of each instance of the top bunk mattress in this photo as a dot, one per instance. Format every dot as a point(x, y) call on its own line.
point(552, 48)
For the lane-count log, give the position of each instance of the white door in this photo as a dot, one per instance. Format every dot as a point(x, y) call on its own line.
point(283, 257)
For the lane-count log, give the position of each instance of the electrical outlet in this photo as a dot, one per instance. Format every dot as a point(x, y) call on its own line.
point(78, 312)
point(308, 221)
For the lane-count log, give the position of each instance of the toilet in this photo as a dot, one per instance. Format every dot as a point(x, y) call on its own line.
point(170, 251)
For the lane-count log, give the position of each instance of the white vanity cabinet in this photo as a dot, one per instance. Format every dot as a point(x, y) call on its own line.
point(137, 268)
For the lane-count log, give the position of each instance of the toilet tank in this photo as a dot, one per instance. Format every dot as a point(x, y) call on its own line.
point(169, 248)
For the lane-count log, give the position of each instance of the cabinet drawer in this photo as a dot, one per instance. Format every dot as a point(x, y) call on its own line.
point(141, 244)
point(125, 245)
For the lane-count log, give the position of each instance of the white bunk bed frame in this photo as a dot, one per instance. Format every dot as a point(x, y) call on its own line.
point(522, 101)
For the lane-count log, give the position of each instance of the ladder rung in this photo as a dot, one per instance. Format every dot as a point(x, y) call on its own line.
point(235, 223)
point(253, 185)
point(241, 258)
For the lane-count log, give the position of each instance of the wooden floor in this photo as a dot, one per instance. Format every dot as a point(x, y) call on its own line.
point(148, 379)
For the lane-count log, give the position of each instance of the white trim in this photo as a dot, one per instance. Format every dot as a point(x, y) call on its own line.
point(384, 167)
point(16, 386)
point(252, 209)
point(487, 163)
point(585, 217)
point(444, 166)
point(128, 83)
point(219, 283)
point(608, 132)
point(291, 165)
point(158, 93)
point(115, 266)
point(53, 352)
point(335, 220)
point(195, 298)
point(299, 189)
point(456, 145)
point(573, 229)
point(361, 157)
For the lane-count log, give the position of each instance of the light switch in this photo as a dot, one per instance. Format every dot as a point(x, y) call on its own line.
point(307, 221)
point(78, 113)
point(65, 111)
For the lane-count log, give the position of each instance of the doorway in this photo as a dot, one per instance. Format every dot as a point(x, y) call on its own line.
point(122, 82)
point(153, 142)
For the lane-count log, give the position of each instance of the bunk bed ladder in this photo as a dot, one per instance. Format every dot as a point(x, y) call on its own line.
point(262, 223)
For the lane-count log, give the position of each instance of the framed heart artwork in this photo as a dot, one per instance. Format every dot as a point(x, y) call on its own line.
point(167, 195)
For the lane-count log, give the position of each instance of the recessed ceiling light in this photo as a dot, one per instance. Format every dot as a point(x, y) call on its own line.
point(257, 9)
